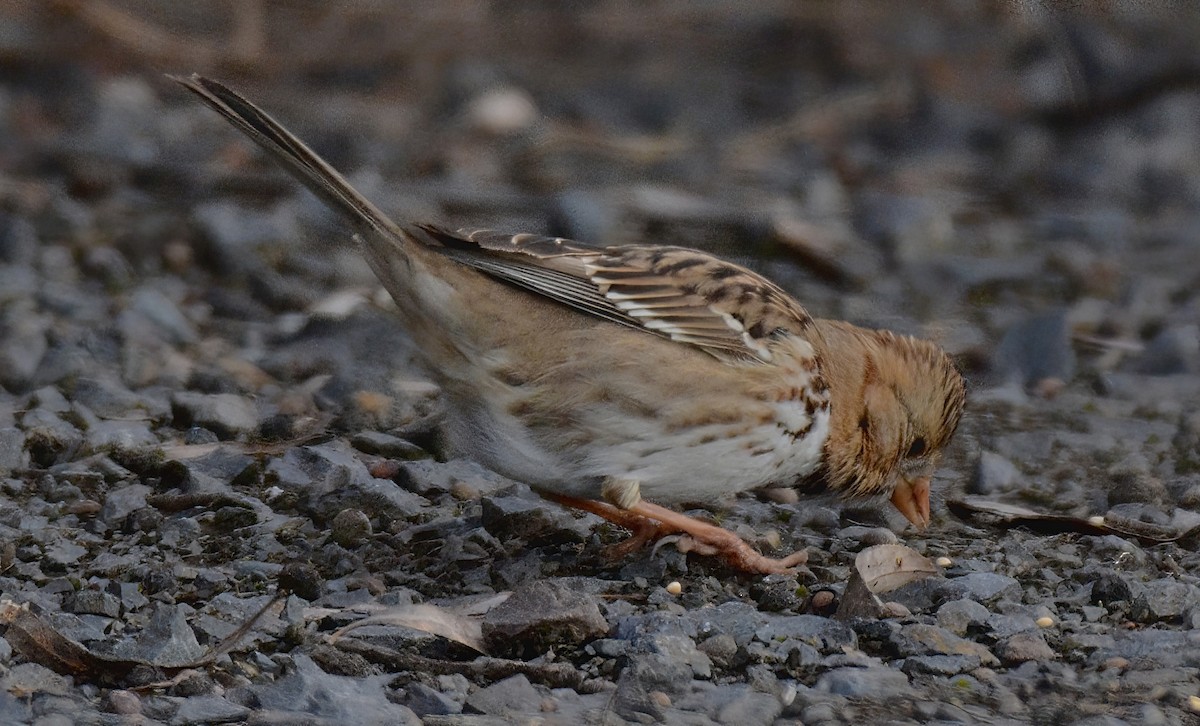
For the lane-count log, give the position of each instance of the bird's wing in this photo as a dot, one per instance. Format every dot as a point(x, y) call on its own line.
point(688, 296)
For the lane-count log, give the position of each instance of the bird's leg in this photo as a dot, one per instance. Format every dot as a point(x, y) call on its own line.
point(720, 542)
point(643, 530)
point(649, 522)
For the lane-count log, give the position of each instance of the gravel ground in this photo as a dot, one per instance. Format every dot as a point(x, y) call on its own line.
point(205, 413)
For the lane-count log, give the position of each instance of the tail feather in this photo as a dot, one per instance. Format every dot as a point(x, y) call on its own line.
point(301, 161)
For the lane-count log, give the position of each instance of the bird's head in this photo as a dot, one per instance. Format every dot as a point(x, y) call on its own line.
point(895, 403)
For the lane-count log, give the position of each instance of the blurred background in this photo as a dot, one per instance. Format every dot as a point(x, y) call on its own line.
point(1018, 180)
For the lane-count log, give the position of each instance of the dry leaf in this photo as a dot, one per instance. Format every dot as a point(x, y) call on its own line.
point(1016, 516)
point(38, 641)
point(881, 569)
point(429, 619)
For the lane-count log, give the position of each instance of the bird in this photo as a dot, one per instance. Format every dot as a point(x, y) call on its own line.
point(624, 380)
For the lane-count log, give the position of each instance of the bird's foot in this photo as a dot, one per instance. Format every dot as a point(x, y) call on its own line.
point(711, 540)
point(649, 522)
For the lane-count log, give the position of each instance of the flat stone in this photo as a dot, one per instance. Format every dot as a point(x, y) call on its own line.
point(993, 474)
point(1164, 599)
point(1023, 647)
point(874, 683)
point(921, 639)
point(512, 696)
point(120, 436)
point(958, 615)
point(426, 701)
point(543, 614)
point(984, 587)
point(225, 414)
point(208, 710)
point(12, 450)
point(939, 665)
point(119, 503)
point(95, 602)
point(823, 634)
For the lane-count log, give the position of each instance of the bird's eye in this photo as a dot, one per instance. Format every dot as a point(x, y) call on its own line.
point(917, 448)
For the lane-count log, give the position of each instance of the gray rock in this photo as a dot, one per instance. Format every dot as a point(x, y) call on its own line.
point(63, 554)
point(162, 311)
point(1101, 720)
point(18, 241)
point(108, 398)
point(1036, 349)
point(1002, 626)
point(827, 636)
point(530, 520)
point(876, 684)
point(993, 474)
point(512, 696)
point(13, 455)
point(645, 675)
point(120, 437)
point(720, 649)
point(939, 665)
point(167, 641)
point(95, 602)
point(310, 694)
point(1024, 647)
point(1164, 599)
point(119, 503)
point(750, 708)
point(541, 615)
point(678, 649)
point(958, 615)
point(868, 536)
point(441, 477)
point(48, 439)
point(207, 710)
point(1173, 351)
point(23, 344)
point(350, 528)
point(1109, 587)
point(225, 414)
point(393, 447)
point(775, 593)
point(331, 478)
point(425, 701)
point(921, 639)
point(984, 587)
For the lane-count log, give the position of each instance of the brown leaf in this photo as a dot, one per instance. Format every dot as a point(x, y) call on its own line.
point(1013, 515)
point(877, 570)
point(38, 641)
point(427, 618)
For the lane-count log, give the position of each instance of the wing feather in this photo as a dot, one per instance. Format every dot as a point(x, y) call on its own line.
point(686, 295)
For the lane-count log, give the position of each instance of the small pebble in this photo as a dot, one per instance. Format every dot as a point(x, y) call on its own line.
point(674, 587)
point(503, 111)
point(1096, 521)
point(660, 698)
point(350, 528)
point(1116, 662)
point(892, 609)
point(1045, 622)
point(1193, 704)
point(823, 600)
point(944, 562)
point(772, 539)
point(463, 491)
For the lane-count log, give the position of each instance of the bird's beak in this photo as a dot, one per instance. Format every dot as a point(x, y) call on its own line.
point(911, 497)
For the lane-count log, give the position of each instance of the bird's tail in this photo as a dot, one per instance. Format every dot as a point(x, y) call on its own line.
point(301, 161)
